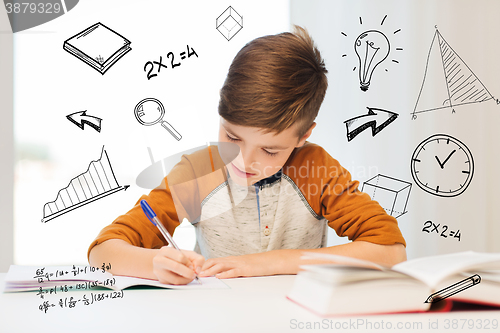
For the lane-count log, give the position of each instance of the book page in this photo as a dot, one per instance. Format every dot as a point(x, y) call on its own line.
point(343, 260)
point(434, 269)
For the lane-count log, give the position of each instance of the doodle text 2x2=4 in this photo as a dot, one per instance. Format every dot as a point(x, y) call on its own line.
point(433, 227)
point(173, 64)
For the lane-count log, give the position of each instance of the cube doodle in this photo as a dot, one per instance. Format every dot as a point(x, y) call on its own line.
point(229, 23)
point(392, 194)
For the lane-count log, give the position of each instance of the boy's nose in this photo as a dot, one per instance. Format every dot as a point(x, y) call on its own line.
point(245, 159)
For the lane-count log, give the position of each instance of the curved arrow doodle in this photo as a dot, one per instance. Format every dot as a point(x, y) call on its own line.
point(374, 116)
point(80, 118)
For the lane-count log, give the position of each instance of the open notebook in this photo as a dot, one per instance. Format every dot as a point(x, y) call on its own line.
point(26, 278)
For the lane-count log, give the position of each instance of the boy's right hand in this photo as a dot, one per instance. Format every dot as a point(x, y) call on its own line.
point(173, 267)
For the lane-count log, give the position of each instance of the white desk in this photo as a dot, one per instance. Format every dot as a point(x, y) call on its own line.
point(251, 305)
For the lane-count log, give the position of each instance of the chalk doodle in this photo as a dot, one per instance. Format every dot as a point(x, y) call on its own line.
point(442, 165)
point(372, 48)
point(391, 193)
point(173, 64)
point(80, 118)
point(229, 23)
point(150, 111)
point(430, 227)
point(448, 82)
point(454, 289)
point(375, 116)
point(96, 183)
point(86, 299)
point(98, 46)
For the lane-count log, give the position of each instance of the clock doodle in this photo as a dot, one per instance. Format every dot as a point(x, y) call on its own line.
point(442, 165)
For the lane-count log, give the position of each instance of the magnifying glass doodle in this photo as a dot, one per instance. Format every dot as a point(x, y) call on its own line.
point(150, 111)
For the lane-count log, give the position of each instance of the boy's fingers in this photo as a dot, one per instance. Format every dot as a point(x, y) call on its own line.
point(217, 268)
point(209, 263)
point(197, 259)
point(166, 264)
point(168, 277)
point(175, 255)
point(232, 273)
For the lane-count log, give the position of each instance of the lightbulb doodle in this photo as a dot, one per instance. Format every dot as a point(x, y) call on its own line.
point(448, 82)
point(372, 48)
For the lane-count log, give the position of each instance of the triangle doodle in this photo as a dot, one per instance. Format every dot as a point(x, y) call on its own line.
point(452, 84)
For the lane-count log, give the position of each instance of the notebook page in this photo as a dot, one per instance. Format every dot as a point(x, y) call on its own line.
point(210, 282)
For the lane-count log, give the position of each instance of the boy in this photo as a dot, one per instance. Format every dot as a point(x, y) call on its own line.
point(255, 215)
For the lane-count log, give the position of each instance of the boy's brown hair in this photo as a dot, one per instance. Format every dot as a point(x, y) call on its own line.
point(274, 82)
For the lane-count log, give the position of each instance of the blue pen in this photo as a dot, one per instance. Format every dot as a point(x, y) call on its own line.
point(151, 215)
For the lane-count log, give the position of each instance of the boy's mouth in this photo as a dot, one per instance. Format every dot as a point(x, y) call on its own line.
point(240, 173)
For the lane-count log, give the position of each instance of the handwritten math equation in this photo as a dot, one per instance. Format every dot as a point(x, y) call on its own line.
point(84, 285)
point(42, 276)
point(149, 66)
point(71, 302)
point(430, 227)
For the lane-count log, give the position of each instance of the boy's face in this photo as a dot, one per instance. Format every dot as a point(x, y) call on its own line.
point(261, 154)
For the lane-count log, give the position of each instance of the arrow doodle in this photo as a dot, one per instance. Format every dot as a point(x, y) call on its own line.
point(374, 116)
point(80, 118)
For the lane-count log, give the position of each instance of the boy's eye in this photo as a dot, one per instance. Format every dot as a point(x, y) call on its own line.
point(269, 153)
point(231, 138)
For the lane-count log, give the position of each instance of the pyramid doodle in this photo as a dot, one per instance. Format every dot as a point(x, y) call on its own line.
point(448, 81)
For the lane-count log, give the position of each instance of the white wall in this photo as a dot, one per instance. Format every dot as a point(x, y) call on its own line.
point(470, 28)
point(50, 83)
point(6, 145)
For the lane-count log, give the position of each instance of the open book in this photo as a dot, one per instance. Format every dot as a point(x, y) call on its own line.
point(353, 286)
point(26, 278)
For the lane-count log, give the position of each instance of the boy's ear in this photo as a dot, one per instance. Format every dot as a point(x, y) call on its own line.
point(303, 139)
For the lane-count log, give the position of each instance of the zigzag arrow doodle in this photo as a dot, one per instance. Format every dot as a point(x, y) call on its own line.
point(374, 116)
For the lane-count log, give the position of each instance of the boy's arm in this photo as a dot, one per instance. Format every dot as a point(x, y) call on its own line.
point(288, 261)
point(126, 259)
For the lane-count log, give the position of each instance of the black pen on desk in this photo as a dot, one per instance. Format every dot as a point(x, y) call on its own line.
point(151, 215)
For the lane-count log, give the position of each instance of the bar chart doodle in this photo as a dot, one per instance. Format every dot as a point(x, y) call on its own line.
point(96, 183)
point(448, 81)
